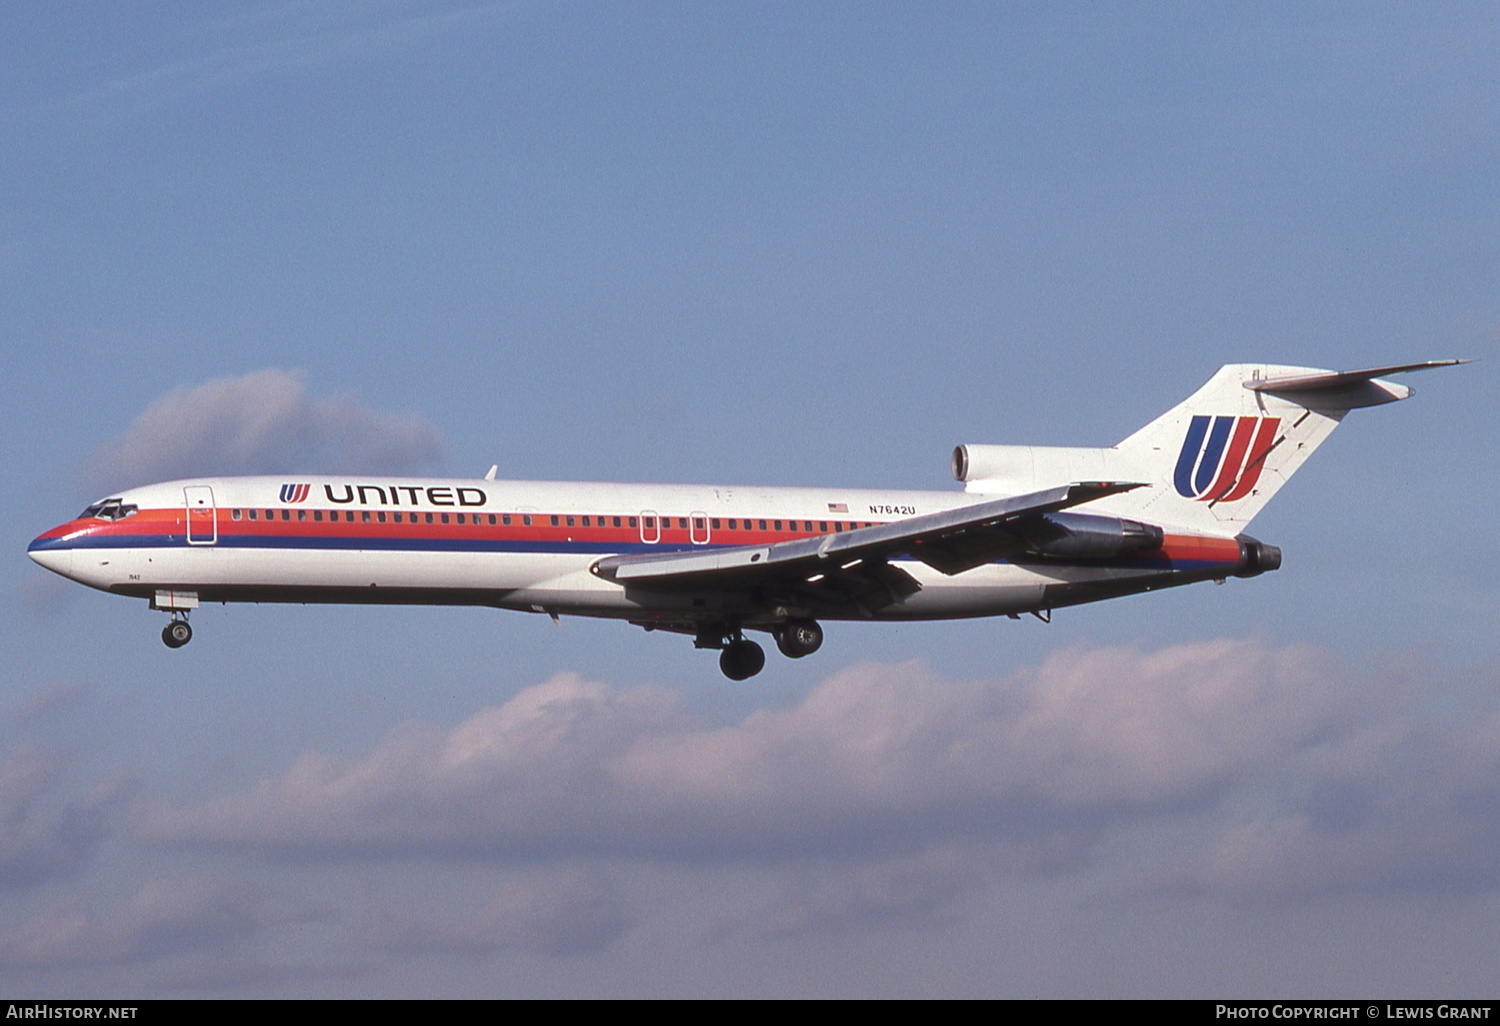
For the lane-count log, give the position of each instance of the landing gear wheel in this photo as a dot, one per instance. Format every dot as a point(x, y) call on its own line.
point(176, 634)
point(742, 660)
point(799, 638)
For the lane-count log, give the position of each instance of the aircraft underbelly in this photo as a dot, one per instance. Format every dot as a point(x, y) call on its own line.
point(209, 568)
point(562, 583)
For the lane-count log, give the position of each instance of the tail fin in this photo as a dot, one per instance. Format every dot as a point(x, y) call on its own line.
point(1214, 460)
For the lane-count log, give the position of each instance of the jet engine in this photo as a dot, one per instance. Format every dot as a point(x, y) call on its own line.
point(1087, 536)
point(1256, 557)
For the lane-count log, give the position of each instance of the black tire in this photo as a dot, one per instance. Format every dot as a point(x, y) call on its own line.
point(742, 660)
point(799, 638)
point(176, 634)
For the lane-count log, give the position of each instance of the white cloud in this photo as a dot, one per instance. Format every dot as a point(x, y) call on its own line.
point(558, 912)
point(164, 917)
point(923, 890)
point(579, 817)
point(40, 840)
point(875, 760)
point(1386, 808)
point(262, 423)
point(1281, 772)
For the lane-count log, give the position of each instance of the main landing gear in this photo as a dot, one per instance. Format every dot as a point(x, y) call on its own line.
point(177, 633)
point(798, 638)
point(742, 659)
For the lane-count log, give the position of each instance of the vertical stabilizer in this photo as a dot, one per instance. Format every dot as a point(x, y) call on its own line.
point(1214, 460)
point(1218, 457)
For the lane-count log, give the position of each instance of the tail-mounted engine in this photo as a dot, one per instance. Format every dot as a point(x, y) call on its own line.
point(1256, 557)
point(1087, 536)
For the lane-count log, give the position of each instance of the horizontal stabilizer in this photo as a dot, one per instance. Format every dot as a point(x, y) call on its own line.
point(1345, 390)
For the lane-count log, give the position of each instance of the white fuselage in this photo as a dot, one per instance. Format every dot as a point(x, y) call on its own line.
point(532, 546)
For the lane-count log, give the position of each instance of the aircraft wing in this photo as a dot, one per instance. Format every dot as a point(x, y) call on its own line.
point(857, 561)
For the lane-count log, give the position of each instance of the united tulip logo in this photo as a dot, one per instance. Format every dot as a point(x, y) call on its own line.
point(1222, 457)
point(294, 492)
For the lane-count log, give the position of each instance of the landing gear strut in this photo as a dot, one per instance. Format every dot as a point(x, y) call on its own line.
point(177, 633)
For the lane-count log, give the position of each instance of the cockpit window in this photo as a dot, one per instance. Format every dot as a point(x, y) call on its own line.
point(110, 509)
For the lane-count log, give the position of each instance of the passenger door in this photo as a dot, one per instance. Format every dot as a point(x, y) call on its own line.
point(202, 516)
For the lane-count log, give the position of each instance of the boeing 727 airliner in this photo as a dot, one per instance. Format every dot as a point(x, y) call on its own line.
point(1035, 529)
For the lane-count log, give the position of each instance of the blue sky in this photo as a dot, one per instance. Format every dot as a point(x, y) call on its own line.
point(761, 244)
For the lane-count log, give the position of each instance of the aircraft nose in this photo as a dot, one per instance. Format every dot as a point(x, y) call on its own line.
point(47, 552)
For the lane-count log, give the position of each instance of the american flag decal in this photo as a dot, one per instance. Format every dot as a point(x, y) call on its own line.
point(838, 507)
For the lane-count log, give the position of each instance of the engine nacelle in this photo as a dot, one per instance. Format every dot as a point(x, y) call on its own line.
point(1088, 536)
point(1018, 469)
point(1256, 557)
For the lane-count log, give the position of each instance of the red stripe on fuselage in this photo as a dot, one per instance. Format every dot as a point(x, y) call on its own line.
point(413, 526)
point(1178, 550)
point(1198, 548)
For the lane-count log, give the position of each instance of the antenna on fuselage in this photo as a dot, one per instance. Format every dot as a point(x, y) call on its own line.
point(491, 475)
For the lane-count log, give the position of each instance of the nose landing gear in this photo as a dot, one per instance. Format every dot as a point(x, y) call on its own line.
point(177, 633)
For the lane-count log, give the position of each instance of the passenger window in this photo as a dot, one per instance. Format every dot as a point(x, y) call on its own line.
point(234, 514)
point(318, 515)
point(617, 521)
point(286, 514)
point(762, 525)
point(554, 520)
point(252, 514)
point(714, 522)
point(365, 516)
point(823, 526)
point(650, 522)
point(429, 518)
point(633, 523)
point(570, 521)
point(444, 516)
point(792, 524)
point(526, 520)
point(777, 525)
point(682, 523)
point(492, 520)
point(302, 514)
point(505, 519)
point(380, 516)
